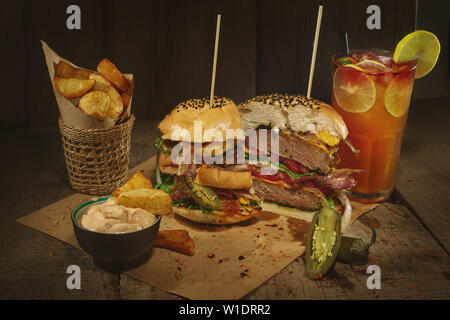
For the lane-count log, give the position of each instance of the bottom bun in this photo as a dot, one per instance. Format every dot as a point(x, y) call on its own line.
point(308, 215)
point(200, 217)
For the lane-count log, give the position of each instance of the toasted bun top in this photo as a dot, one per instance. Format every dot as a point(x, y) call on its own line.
point(292, 112)
point(179, 124)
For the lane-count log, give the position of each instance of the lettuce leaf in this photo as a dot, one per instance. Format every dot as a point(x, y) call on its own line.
point(188, 205)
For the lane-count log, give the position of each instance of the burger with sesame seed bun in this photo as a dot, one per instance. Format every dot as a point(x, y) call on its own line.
point(309, 133)
point(193, 165)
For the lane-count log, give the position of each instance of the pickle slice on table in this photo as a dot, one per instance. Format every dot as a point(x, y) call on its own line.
point(355, 251)
point(323, 241)
point(202, 195)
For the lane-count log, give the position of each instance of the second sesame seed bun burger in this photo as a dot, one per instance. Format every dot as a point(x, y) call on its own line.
point(309, 135)
point(214, 193)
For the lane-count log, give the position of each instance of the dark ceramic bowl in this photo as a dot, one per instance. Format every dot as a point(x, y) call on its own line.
point(114, 252)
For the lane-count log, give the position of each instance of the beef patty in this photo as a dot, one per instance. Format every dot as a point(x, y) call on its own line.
point(306, 149)
point(303, 151)
point(298, 198)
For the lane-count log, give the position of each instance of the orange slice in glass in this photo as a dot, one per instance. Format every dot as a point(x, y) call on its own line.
point(354, 91)
point(398, 95)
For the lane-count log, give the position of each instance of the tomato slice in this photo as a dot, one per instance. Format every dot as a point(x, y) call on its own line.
point(294, 166)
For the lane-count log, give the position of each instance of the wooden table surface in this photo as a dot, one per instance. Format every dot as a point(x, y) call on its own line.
point(412, 248)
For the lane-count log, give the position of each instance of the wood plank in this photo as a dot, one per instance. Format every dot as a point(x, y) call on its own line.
point(286, 32)
point(14, 64)
point(32, 264)
point(46, 20)
point(423, 172)
point(169, 47)
point(131, 42)
point(413, 265)
point(431, 18)
point(132, 289)
point(407, 254)
point(265, 46)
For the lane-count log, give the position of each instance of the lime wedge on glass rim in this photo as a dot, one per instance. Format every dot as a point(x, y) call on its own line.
point(373, 66)
point(422, 46)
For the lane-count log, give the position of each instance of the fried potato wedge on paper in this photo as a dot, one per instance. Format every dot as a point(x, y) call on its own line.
point(73, 88)
point(101, 84)
point(95, 104)
point(65, 70)
point(137, 181)
point(176, 240)
point(152, 200)
point(108, 70)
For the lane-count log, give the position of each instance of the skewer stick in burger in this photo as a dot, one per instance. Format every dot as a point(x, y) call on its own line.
point(204, 191)
point(309, 135)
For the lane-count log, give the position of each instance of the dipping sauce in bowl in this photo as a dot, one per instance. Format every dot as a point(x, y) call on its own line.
point(117, 237)
point(110, 217)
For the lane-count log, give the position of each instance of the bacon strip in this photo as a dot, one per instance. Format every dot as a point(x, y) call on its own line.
point(340, 179)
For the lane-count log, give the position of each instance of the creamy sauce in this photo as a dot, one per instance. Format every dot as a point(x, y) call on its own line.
point(109, 217)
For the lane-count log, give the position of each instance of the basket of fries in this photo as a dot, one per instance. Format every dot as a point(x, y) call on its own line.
point(95, 122)
point(97, 159)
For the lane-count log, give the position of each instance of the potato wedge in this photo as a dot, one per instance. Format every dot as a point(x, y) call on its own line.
point(137, 181)
point(101, 84)
point(151, 200)
point(176, 240)
point(125, 99)
point(108, 70)
point(95, 104)
point(65, 70)
point(73, 88)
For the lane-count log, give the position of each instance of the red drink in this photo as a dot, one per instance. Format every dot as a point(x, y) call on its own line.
point(372, 93)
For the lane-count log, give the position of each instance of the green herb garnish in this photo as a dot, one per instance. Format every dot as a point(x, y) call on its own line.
point(166, 184)
point(159, 144)
point(252, 203)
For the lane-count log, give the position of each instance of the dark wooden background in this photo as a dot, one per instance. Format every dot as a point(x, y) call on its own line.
point(265, 46)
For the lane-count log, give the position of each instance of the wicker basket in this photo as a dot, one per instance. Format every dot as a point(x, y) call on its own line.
point(97, 159)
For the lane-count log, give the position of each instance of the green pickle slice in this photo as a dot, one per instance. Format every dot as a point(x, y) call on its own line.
point(355, 251)
point(202, 195)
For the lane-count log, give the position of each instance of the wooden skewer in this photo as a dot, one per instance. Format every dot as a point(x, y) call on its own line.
point(216, 46)
point(313, 59)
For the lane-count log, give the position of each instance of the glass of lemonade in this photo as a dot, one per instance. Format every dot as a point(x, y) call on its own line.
point(372, 93)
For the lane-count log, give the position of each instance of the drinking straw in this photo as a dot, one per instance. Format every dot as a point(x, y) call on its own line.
point(343, 44)
point(313, 59)
point(213, 79)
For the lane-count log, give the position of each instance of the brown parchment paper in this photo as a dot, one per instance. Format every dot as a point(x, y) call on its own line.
point(71, 115)
point(244, 256)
